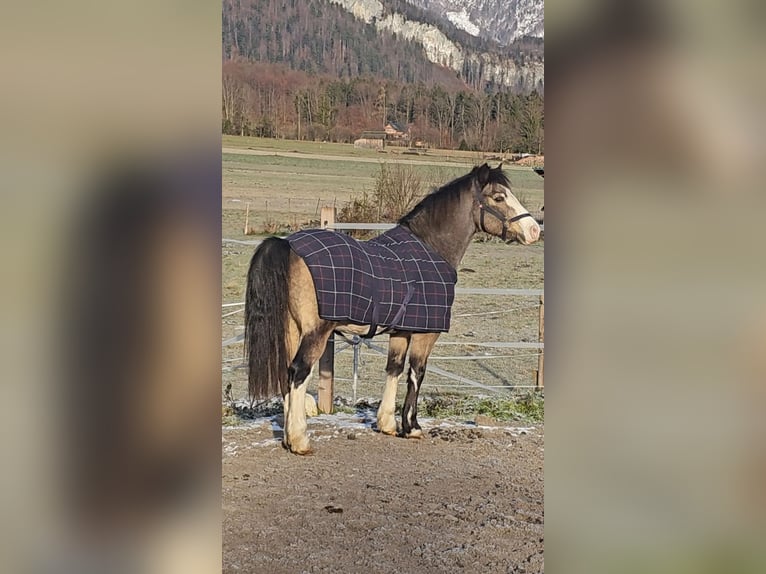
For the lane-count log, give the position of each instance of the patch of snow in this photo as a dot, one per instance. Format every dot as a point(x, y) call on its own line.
point(345, 421)
point(365, 10)
point(462, 20)
point(361, 421)
point(530, 19)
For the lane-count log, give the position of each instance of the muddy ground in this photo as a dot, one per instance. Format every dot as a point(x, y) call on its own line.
point(465, 498)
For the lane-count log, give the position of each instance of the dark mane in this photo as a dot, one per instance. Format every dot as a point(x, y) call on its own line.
point(444, 200)
point(496, 175)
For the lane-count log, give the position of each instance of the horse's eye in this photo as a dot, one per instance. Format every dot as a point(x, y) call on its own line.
point(499, 198)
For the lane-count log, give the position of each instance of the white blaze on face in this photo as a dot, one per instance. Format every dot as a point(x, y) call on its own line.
point(526, 228)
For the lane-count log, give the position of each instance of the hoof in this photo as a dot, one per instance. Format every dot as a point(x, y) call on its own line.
point(414, 433)
point(386, 424)
point(389, 432)
point(302, 449)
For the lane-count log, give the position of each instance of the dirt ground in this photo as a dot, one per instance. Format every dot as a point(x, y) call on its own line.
point(464, 498)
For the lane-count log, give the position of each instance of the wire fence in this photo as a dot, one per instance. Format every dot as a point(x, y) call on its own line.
point(483, 367)
point(478, 366)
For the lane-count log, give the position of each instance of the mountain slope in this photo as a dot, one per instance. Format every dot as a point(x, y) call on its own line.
point(504, 21)
point(348, 38)
point(318, 37)
point(480, 62)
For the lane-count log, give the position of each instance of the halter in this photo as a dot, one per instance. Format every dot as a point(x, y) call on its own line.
point(483, 207)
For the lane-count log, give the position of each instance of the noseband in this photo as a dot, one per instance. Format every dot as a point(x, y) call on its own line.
point(484, 208)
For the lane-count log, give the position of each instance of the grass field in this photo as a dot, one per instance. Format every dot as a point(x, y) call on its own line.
point(293, 188)
point(344, 150)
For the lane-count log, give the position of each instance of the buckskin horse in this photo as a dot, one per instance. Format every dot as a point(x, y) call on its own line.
point(302, 288)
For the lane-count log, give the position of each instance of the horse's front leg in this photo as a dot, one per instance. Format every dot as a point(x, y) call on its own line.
point(311, 348)
point(398, 343)
point(422, 345)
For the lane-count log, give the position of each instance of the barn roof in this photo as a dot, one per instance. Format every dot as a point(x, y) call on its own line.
point(373, 135)
point(396, 126)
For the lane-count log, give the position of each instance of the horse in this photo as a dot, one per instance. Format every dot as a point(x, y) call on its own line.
point(288, 320)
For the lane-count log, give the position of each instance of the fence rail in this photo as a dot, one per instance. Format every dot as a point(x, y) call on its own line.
point(371, 226)
point(492, 291)
point(361, 226)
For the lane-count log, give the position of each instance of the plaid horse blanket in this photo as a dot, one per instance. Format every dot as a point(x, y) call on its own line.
point(394, 280)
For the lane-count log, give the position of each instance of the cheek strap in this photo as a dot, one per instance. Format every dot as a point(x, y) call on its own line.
point(483, 207)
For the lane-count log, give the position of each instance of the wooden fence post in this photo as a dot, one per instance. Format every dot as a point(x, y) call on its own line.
point(327, 360)
point(327, 376)
point(540, 359)
point(327, 218)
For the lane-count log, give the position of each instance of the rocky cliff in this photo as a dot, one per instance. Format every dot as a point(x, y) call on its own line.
point(485, 67)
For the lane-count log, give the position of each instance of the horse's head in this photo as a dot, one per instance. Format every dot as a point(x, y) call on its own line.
point(497, 211)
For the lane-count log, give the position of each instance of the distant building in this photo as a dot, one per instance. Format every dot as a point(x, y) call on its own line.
point(374, 135)
point(392, 134)
point(394, 130)
point(371, 140)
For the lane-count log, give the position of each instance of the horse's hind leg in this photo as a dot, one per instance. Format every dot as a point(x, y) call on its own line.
point(292, 340)
point(398, 344)
point(311, 347)
point(422, 345)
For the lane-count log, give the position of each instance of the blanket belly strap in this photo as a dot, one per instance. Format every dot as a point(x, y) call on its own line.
point(398, 317)
point(375, 308)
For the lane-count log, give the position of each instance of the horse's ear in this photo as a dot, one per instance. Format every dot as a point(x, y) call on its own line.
point(482, 174)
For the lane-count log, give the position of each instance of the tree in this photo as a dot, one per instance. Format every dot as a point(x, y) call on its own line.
point(272, 100)
point(531, 124)
point(232, 93)
point(440, 111)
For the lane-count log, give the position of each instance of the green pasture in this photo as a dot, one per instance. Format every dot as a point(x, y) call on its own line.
point(277, 145)
point(343, 149)
point(291, 190)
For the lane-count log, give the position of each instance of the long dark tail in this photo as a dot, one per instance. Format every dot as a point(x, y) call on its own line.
point(266, 318)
